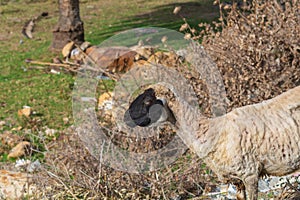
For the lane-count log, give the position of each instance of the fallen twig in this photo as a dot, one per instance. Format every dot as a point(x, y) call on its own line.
point(48, 63)
point(29, 25)
point(36, 67)
point(64, 65)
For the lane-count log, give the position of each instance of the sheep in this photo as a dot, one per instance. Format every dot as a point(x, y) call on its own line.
point(146, 110)
point(248, 142)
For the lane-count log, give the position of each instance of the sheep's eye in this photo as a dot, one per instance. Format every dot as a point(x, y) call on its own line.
point(147, 103)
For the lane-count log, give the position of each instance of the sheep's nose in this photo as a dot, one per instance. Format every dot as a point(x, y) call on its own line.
point(157, 113)
point(160, 113)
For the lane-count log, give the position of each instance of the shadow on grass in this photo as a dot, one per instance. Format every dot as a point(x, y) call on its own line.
point(162, 16)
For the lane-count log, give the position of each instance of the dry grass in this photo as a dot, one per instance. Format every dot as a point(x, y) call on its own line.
point(71, 172)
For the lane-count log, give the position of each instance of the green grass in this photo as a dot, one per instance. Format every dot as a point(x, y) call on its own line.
point(48, 94)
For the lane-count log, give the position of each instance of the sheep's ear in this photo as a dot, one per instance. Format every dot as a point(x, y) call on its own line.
point(156, 112)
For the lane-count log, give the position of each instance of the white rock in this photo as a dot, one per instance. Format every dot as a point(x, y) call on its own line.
point(34, 166)
point(50, 132)
point(53, 71)
point(22, 163)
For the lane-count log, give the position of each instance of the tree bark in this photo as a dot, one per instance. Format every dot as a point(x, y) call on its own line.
point(69, 27)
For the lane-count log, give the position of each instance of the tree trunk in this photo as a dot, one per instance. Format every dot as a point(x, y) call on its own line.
point(69, 27)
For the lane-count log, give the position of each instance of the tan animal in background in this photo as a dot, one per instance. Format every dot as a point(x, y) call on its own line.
point(248, 142)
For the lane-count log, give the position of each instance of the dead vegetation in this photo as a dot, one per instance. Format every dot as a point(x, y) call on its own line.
point(257, 50)
point(71, 172)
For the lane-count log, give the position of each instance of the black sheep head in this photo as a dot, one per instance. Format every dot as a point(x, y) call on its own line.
point(147, 110)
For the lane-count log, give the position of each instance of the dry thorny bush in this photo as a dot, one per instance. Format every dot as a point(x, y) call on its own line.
point(257, 50)
point(256, 47)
